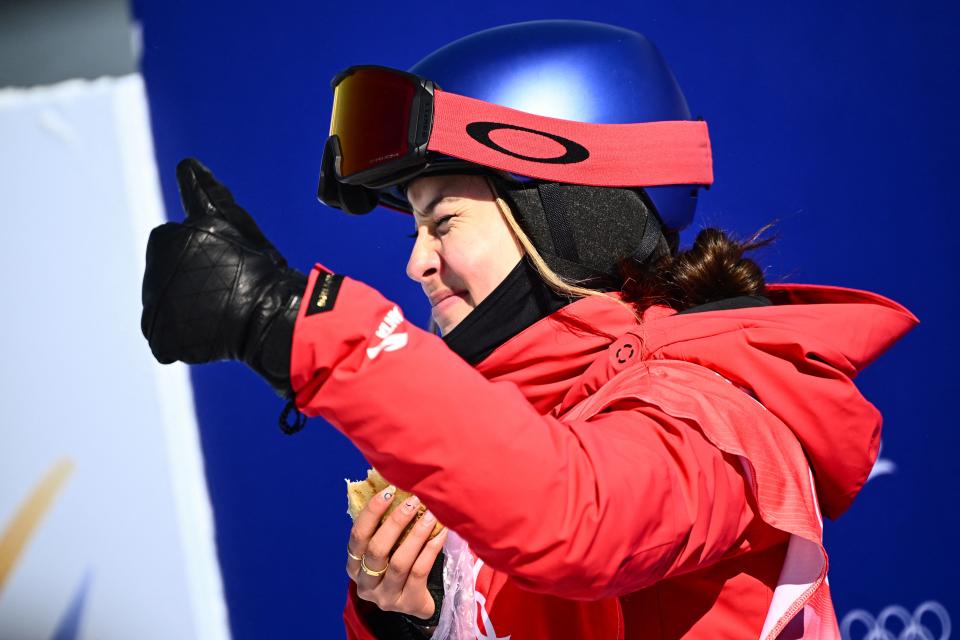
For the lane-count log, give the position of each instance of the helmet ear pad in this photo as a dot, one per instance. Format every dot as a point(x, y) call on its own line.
point(584, 233)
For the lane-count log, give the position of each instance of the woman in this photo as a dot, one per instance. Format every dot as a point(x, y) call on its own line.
point(628, 441)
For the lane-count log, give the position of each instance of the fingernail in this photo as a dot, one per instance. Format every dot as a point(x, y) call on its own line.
point(428, 519)
point(388, 493)
point(411, 503)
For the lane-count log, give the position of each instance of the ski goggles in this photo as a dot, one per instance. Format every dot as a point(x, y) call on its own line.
point(389, 126)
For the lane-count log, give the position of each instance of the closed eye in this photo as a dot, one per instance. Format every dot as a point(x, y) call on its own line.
point(437, 224)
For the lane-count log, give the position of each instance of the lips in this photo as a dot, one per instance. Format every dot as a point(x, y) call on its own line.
point(437, 298)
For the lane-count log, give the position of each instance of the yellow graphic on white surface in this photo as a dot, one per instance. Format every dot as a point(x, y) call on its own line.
point(17, 533)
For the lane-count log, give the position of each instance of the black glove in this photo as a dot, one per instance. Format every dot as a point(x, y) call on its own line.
point(215, 288)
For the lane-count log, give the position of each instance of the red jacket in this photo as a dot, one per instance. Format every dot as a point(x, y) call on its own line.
point(620, 479)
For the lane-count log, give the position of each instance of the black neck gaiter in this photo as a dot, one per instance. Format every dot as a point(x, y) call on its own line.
point(520, 300)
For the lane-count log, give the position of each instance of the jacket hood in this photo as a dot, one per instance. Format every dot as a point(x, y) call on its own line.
point(798, 357)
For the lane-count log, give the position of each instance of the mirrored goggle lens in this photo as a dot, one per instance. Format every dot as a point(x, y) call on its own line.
point(371, 118)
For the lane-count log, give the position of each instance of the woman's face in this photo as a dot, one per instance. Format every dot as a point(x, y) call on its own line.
point(464, 247)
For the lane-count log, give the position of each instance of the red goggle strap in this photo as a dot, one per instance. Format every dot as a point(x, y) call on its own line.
point(604, 155)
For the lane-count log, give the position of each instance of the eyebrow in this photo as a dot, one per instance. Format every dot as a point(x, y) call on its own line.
point(428, 210)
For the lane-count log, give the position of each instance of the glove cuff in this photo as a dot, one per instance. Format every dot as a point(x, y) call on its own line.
point(270, 338)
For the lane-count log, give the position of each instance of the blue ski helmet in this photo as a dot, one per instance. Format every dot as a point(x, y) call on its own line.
point(575, 70)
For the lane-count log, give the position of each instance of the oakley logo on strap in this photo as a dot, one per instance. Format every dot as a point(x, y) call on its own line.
point(573, 152)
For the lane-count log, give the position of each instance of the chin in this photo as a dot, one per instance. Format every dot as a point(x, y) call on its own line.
point(448, 322)
point(445, 327)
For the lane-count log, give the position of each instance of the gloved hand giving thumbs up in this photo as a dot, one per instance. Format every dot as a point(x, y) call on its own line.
point(215, 288)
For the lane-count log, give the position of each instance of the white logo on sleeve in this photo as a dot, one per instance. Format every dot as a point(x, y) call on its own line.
point(389, 341)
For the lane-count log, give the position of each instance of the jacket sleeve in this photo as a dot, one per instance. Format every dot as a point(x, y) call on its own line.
point(355, 618)
point(583, 509)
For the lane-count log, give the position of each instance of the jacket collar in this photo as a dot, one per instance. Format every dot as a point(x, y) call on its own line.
point(547, 358)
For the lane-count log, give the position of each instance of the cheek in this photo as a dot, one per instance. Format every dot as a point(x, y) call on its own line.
point(466, 259)
point(483, 264)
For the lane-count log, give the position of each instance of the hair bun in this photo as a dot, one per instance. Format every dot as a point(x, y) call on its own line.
point(714, 268)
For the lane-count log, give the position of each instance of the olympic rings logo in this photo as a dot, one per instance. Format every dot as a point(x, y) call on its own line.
point(903, 625)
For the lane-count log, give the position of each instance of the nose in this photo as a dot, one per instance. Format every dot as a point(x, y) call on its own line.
point(424, 260)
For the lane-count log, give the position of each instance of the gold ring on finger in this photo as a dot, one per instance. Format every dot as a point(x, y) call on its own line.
point(370, 572)
point(352, 557)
